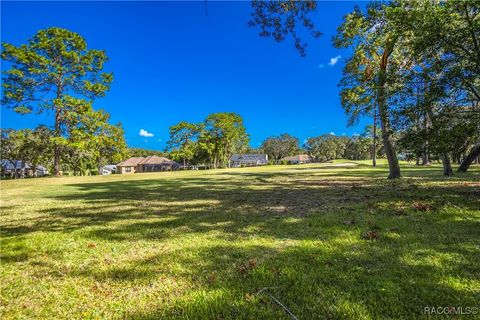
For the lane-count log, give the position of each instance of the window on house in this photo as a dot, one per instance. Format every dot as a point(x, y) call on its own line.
point(128, 169)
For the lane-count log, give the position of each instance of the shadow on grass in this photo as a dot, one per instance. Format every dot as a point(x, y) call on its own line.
point(317, 264)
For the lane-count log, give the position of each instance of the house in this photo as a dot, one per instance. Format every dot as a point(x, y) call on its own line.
point(248, 160)
point(13, 168)
point(108, 169)
point(298, 159)
point(129, 165)
point(146, 164)
point(156, 164)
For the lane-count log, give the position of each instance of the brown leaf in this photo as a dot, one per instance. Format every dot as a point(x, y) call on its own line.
point(422, 206)
point(370, 235)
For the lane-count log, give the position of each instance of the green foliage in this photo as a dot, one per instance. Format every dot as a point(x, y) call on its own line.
point(223, 135)
point(211, 142)
point(279, 147)
point(141, 152)
point(55, 71)
point(358, 148)
point(183, 138)
point(279, 19)
point(32, 147)
point(437, 96)
point(52, 64)
point(324, 148)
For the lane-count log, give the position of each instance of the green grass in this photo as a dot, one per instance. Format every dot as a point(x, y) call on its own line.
point(203, 244)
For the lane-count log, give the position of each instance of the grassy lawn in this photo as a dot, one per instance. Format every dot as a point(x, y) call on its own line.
point(327, 241)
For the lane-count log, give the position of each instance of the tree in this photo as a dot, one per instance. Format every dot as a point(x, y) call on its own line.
point(358, 148)
point(370, 72)
point(30, 147)
point(278, 19)
point(323, 148)
point(448, 33)
point(279, 147)
point(106, 141)
point(371, 133)
point(224, 134)
point(38, 147)
point(12, 146)
point(140, 152)
point(182, 137)
point(54, 71)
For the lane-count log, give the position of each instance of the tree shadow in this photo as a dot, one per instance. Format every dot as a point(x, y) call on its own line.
point(299, 235)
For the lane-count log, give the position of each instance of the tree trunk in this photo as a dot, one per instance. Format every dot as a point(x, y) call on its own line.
point(447, 166)
point(374, 155)
point(100, 170)
point(56, 149)
point(184, 164)
point(394, 167)
point(425, 160)
point(34, 170)
point(474, 154)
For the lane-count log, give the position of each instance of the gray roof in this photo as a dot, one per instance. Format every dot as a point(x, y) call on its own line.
point(249, 157)
point(17, 164)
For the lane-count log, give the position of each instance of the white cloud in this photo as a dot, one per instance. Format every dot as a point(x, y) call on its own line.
point(332, 133)
point(334, 60)
point(145, 133)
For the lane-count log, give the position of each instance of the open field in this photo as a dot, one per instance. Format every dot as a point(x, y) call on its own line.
point(203, 244)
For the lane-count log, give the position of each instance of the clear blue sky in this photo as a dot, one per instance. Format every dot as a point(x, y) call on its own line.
point(172, 63)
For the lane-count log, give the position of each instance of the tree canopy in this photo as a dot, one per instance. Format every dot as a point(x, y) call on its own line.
point(55, 70)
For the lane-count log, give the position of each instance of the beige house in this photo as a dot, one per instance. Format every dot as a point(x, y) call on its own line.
point(298, 159)
point(146, 164)
point(129, 165)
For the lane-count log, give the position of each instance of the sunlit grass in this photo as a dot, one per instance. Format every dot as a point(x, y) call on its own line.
point(203, 244)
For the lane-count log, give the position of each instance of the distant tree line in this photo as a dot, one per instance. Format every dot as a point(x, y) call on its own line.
point(322, 148)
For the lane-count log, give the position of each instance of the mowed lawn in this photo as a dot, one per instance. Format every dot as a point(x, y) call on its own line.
point(328, 241)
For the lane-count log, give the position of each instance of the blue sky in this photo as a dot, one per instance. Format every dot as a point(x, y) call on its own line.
point(171, 62)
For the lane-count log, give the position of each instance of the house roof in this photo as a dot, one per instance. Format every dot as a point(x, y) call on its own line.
point(249, 157)
point(298, 157)
point(154, 160)
point(132, 162)
point(8, 165)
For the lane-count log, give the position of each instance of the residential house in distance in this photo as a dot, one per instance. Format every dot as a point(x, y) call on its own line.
point(157, 164)
point(248, 160)
point(15, 168)
point(298, 159)
point(129, 165)
point(146, 164)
